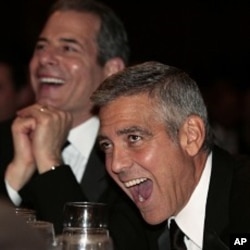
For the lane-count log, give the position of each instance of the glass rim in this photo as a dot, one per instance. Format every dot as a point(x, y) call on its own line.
point(85, 203)
point(24, 210)
point(41, 222)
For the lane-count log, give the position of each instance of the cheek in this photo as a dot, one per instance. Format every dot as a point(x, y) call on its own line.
point(158, 162)
point(75, 68)
point(80, 78)
point(32, 72)
point(149, 158)
point(33, 64)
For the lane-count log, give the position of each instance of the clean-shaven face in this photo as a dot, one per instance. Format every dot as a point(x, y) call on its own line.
point(150, 168)
point(64, 70)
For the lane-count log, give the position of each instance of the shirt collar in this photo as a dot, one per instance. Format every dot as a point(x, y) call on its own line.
point(83, 137)
point(191, 218)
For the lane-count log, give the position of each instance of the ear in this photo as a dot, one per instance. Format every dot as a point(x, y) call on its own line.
point(113, 66)
point(192, 135)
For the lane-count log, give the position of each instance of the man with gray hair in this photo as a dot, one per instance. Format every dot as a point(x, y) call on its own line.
point(159, 149)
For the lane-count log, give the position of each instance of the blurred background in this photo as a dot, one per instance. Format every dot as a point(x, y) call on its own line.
point(210, 39)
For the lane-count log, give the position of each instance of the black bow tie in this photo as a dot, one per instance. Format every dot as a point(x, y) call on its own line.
point(176, 237)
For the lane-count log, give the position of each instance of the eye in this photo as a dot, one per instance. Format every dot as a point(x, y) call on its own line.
point(105, 146)
point(39, 46)
point(68, 48)
point(134, 138)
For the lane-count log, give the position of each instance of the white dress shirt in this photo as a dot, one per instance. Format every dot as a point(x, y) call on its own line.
point(191, 218)
point(82, 139)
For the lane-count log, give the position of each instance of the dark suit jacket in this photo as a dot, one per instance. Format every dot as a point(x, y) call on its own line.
point(228, 202)
point(47, 194)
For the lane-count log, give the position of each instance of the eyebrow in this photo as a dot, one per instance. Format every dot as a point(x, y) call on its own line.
point(129, 130)
point(65, 40)
point(134, 129)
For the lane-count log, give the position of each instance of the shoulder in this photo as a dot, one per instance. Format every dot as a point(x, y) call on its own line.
point(237, 165)
point(240, 193)
point(230, 188)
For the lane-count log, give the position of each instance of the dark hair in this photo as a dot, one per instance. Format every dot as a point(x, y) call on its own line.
point(175, 95)
point(112, 38)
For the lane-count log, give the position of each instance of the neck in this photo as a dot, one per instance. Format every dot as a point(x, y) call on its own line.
point(77, 120)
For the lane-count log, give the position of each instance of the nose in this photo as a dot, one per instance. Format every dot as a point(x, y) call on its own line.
point(48, 57)
point(120, 160)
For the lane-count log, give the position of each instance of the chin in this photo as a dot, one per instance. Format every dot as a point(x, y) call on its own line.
point(48, 102)
point(154, 218)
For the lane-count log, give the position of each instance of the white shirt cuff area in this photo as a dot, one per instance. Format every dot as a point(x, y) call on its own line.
point(13, 194)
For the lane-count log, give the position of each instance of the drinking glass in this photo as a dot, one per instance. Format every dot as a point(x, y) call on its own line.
point(46, 231)
point(75, 238)
point(85, 227)
point(85, 215)
point(28, 214)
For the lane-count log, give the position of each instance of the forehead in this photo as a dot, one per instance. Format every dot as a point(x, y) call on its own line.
point(129, 103)
point(128, 111)
point(81, 25)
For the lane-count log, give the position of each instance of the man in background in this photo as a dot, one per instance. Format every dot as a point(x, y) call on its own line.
point(81, 44)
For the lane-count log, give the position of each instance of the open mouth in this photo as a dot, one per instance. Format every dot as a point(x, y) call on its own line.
point(51, 81)
point(140, 188)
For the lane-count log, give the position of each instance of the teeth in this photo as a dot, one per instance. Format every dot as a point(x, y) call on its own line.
point(134, 182)
point(51, 80)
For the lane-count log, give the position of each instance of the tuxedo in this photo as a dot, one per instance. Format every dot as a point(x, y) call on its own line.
point(228, 201)
point(47, 193)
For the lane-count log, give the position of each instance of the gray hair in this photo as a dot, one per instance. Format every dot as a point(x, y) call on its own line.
point(176, 96)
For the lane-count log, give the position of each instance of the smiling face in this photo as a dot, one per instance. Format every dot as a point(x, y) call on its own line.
point(158, 174)
point(64, 70)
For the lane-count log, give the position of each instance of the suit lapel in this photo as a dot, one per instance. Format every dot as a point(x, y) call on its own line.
point(213, 242)
point(217, 211)
point(94, 181)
